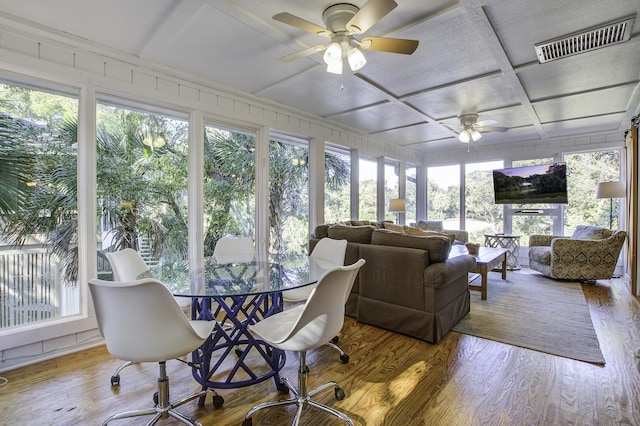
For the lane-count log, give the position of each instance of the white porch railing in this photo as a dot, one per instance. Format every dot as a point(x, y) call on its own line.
point(29, 286)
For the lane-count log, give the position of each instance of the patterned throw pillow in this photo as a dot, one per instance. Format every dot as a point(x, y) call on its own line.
point(587, 232)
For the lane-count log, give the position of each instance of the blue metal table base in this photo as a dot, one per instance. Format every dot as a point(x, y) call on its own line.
point(230, 332)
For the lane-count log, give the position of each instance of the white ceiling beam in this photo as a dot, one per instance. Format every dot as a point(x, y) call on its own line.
point(476, 13)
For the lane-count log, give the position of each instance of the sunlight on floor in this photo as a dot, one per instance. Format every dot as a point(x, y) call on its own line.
point(390, 394)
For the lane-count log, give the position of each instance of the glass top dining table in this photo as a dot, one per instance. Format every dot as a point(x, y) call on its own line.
point(236, 293)
point(243, 277)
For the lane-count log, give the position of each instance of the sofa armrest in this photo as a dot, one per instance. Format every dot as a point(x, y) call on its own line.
point(567, 245)
point(441, 274)
point(542, 240)
point(462, 236)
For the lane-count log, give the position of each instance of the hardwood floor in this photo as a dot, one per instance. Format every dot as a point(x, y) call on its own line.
point(389, 380)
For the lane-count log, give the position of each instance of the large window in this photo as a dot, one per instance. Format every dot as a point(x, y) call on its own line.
point(411, 191)
point(584, 171)
point(229, 185)
point(443, 195)
point(288, 196)
point(482, 214)
point(368, 189)
point(142, 185)
point(525, 225)
point(38, 206)
point(391, 187)
point(337, 175)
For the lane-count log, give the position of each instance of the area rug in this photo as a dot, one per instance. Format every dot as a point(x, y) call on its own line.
point(534, 312)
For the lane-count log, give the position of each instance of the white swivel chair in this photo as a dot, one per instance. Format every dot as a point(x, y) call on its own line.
point(330, 252)
point(308, 326)
point(127, 265)
point(229, 250)
point(141, 322)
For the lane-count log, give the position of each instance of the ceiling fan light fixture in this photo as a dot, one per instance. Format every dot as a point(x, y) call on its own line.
point(356, 59)
point(464, 136)
point(335, 68)
point(475, 135)
point(333, 54)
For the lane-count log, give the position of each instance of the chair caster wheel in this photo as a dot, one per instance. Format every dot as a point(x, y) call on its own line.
point(155, 398)
point(282, 388)
point(335, 340)
point(115, 380)
point(339, 394)
point(247, 422)
point(218, 400)
point(344, 358)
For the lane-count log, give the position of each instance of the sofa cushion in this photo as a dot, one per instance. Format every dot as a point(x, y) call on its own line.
point(358, 222)
point(354, 234)
point(394, 227)
point(541, 254)
point(321, 231)
point(587, 232)
point(438, 247)
point(409, 230)
point(430, 225)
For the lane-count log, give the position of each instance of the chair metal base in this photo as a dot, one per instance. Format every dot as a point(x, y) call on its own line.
point(163, 409)
point(344, 358)
point(115, 377)
point(302, 397)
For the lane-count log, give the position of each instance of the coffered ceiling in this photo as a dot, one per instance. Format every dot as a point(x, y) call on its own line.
point(474, 56)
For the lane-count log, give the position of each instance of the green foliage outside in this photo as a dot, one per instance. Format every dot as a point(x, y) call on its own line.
point(142, 173)
point(584, 171)
point(142, 183)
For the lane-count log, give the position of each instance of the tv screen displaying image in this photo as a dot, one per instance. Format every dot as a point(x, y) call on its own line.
point(545, 183)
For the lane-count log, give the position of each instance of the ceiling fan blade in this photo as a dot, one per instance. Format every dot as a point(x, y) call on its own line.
point(493, 129)
point(369, 14)
point(487, 122)
point(392, 45)
point(302, 53)
point(294, 21)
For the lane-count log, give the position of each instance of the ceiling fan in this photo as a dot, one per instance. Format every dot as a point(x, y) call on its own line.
point(343, 22)
point(471, 129)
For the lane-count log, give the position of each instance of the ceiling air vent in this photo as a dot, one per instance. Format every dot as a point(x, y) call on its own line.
point(584, 41)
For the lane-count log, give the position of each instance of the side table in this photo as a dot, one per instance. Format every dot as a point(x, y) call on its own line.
point(510, 242)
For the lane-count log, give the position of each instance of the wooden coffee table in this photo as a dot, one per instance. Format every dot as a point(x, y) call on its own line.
point(486, 259)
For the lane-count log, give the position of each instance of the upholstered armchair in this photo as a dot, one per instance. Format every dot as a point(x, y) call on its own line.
point(461, 236)
point(591, 253)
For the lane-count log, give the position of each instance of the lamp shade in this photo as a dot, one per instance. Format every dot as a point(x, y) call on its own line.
point(356, 59)
point(464, 136)
point(611, 190)
point(333, 53)
point(397, 205)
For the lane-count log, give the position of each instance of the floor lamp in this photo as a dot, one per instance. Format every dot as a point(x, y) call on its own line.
point(611, 190)
point(397, 206)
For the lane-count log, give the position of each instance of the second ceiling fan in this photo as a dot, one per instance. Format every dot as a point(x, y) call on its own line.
point(471, 129)
point(343, 22)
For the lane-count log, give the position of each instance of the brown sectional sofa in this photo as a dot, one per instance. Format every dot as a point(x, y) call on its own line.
point(408, 285)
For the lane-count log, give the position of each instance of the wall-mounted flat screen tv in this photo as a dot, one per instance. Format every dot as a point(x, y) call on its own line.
point(531, 184)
